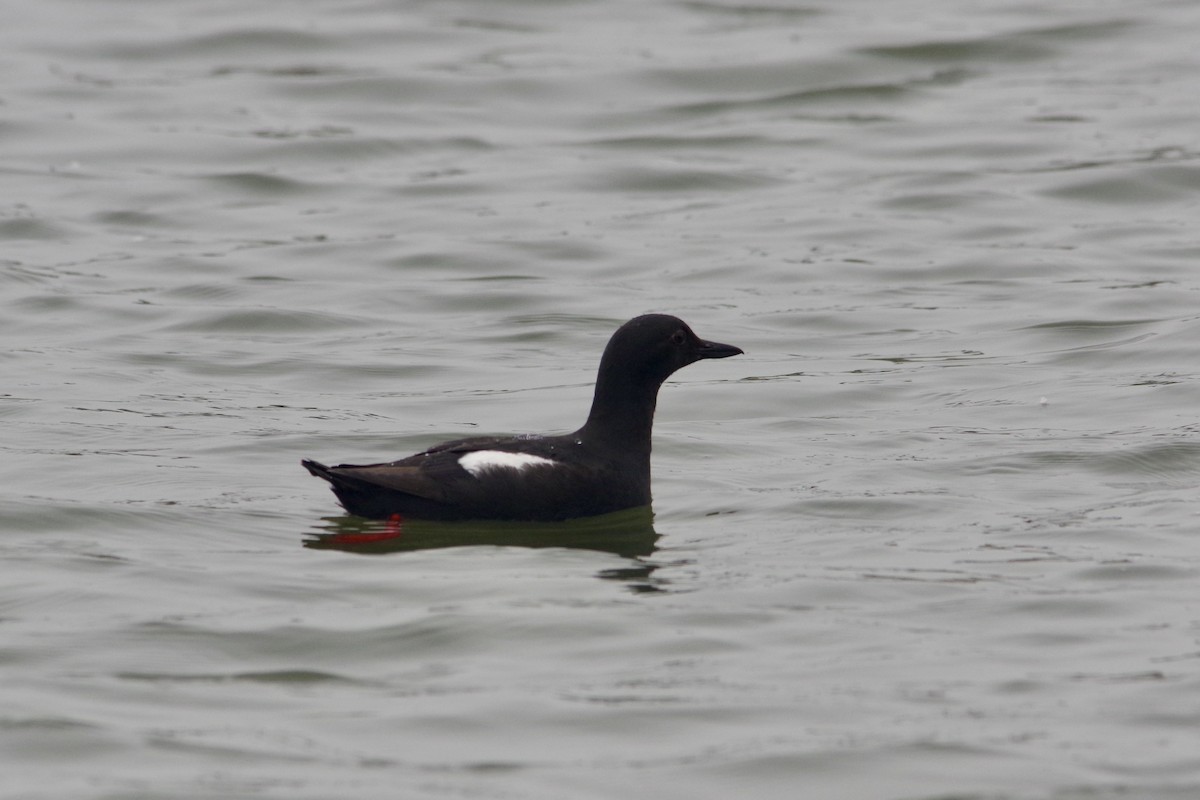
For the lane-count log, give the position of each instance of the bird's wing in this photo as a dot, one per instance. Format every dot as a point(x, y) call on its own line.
point(434, 473)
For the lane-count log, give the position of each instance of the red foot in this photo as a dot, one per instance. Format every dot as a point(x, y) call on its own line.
point(394, 530)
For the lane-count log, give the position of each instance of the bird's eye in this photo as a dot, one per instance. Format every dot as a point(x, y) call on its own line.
point(678, 337)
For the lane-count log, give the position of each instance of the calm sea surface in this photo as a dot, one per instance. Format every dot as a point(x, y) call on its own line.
point(936, 535)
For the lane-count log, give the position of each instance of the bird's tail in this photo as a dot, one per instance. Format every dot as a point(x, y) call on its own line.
point(317, 468)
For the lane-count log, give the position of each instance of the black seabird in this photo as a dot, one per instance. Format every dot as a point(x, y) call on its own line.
point(602, 467)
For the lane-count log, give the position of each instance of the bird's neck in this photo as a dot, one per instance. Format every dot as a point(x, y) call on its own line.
point(622, 412)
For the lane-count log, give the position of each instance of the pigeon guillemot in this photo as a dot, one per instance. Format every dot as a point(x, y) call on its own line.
point(602, 467)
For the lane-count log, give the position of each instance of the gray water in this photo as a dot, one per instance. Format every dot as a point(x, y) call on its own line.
point(935, 535)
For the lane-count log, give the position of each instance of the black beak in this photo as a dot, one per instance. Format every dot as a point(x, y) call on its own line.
point(716, 350)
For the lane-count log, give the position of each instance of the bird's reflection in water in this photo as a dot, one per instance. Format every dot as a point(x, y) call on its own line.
point(629, 534)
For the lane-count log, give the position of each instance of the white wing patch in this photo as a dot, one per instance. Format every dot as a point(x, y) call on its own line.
point(482, 460)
